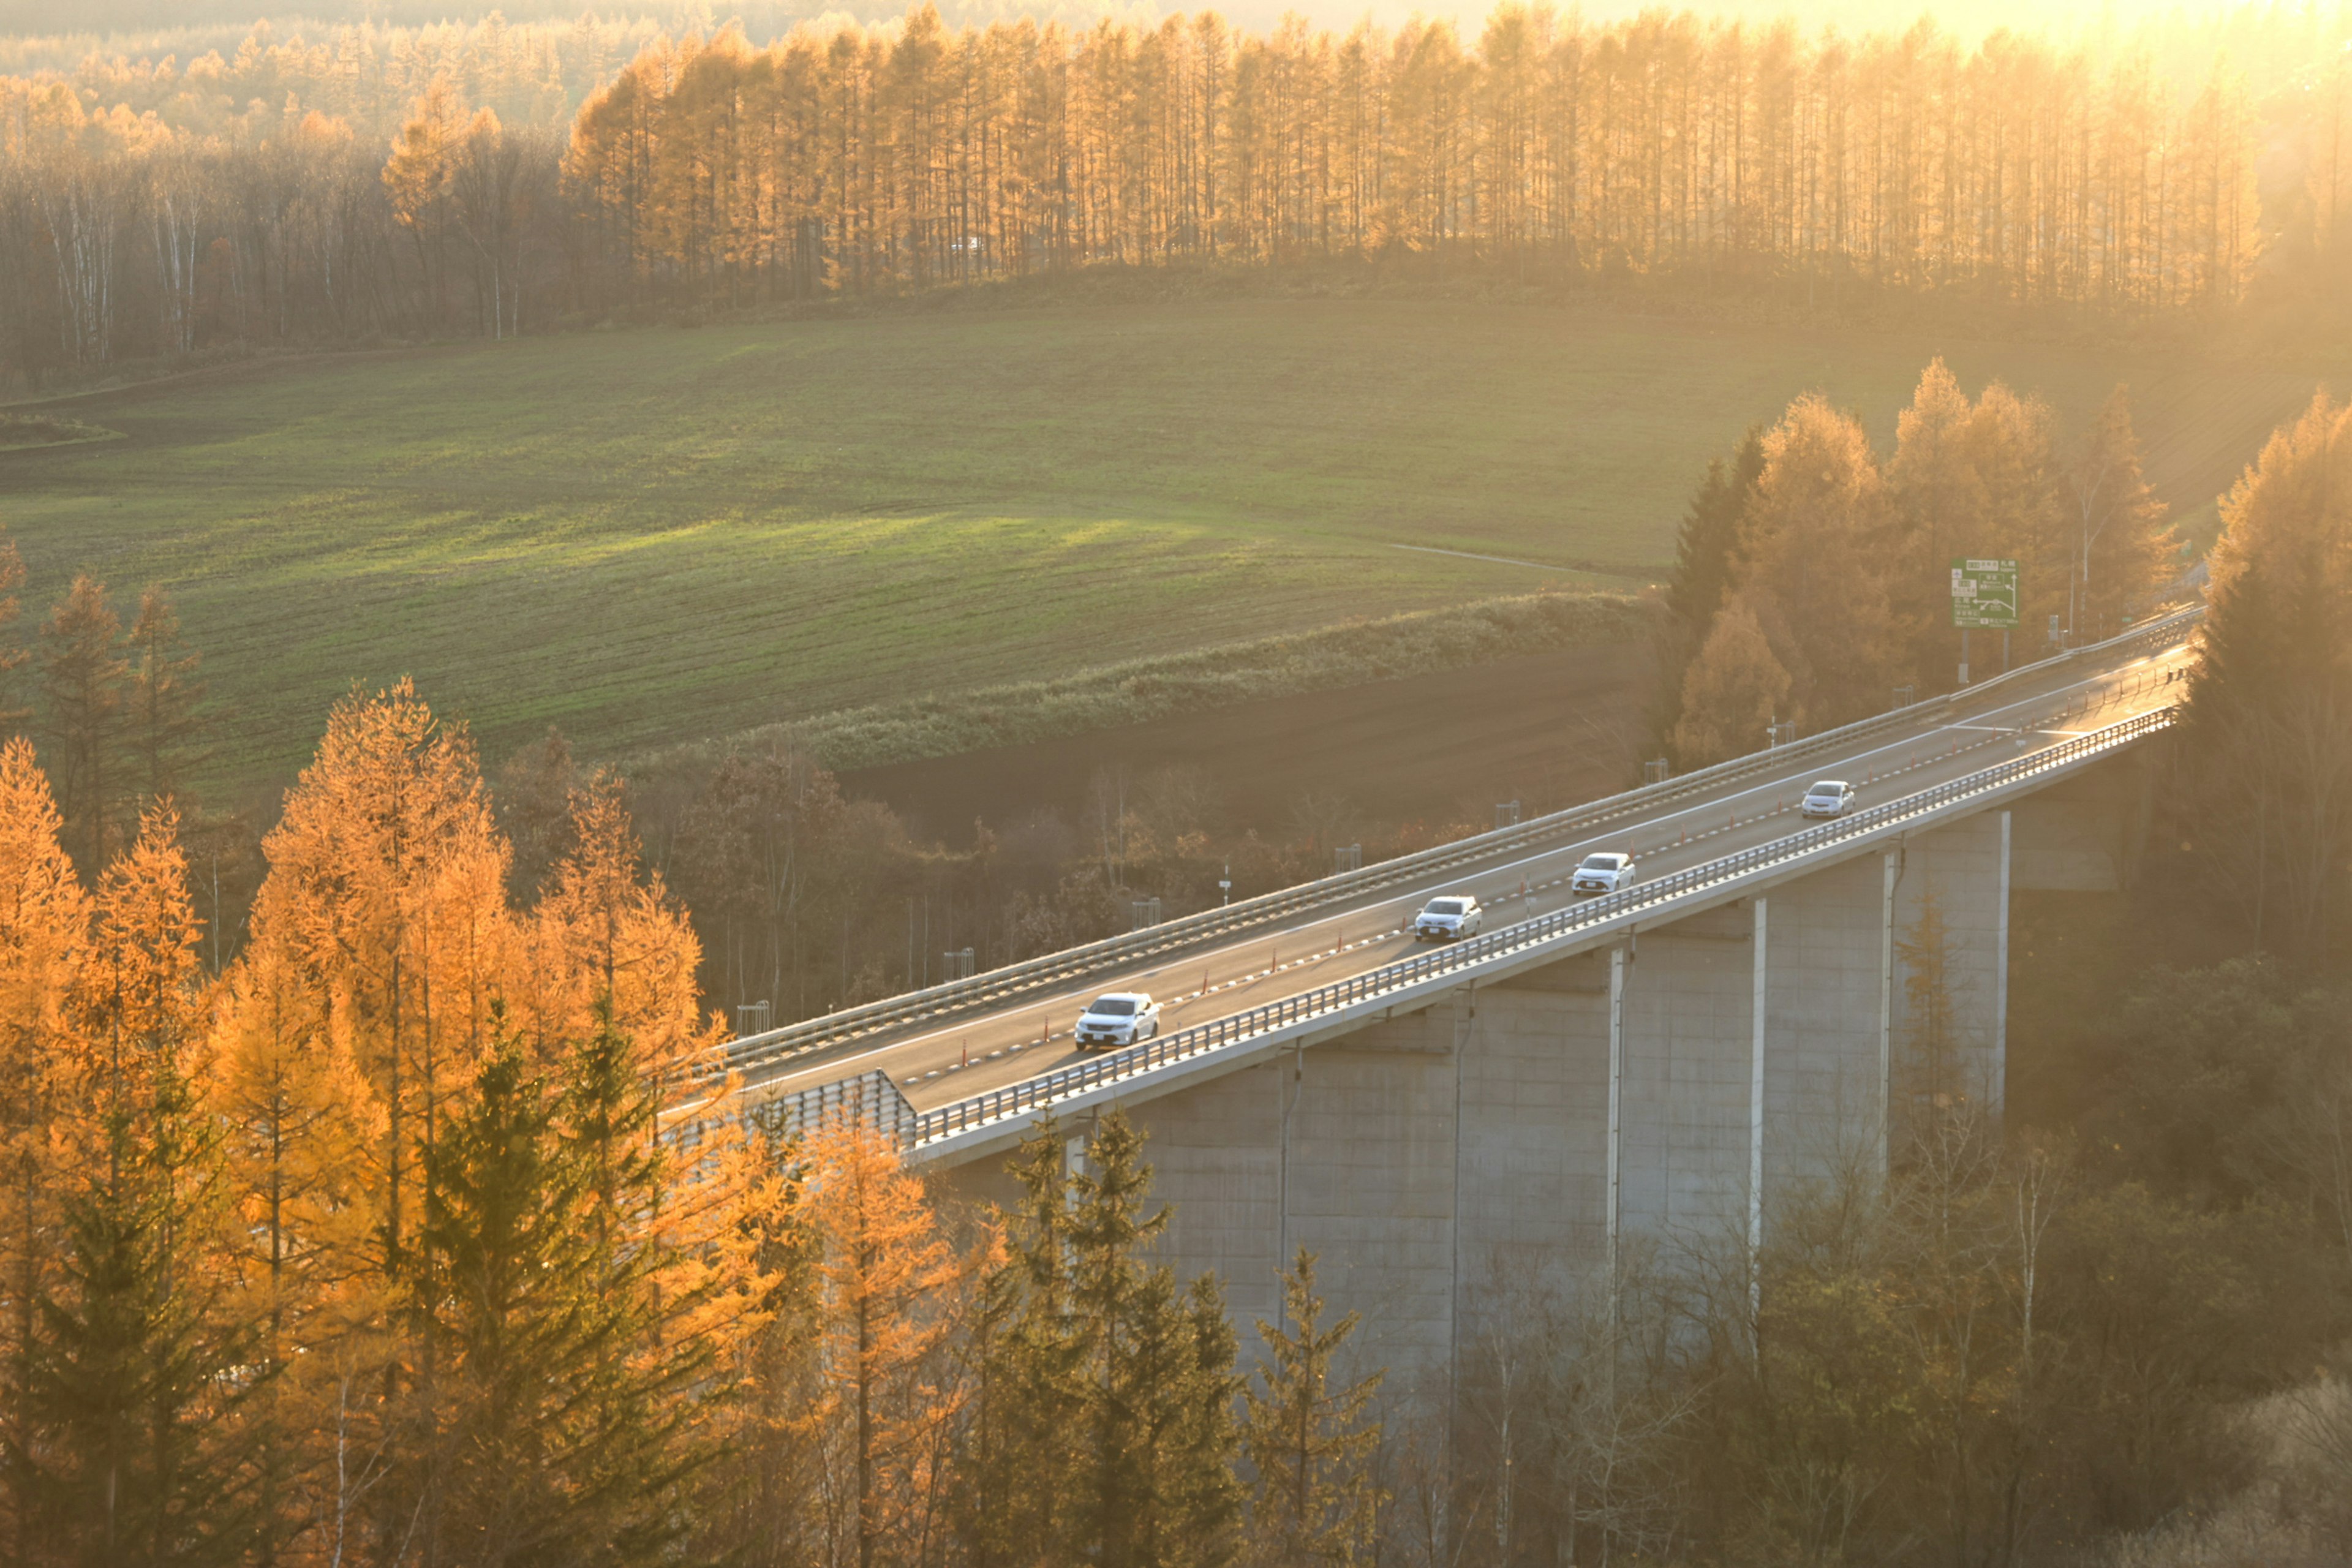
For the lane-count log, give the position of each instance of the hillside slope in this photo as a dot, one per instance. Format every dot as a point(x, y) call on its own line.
point(656, 536)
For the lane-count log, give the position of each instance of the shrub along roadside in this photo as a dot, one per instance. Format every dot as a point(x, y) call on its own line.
point(1354, 653)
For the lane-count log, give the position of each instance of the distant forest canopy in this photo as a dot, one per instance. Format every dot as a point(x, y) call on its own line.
point(368, 182)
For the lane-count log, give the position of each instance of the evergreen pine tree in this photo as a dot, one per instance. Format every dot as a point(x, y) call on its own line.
point(12, 578)
point(556, 1416)
point(1153, 1486)
point(2122, 544)
point(1101, 1425)
point(1706, 568)
point(1019, 1439)
point(639, 1311)
point(133, 1385)
point(82, 676)
point(1311, 1445)
point(492, 1272)
point(1706, 549)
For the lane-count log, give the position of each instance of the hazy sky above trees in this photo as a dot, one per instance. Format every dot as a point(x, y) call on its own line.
point(765, 17)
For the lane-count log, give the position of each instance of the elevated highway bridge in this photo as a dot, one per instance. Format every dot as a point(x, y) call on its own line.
point(1662, 1059)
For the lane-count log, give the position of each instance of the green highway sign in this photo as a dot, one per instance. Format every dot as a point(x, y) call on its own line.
point(1984, 594)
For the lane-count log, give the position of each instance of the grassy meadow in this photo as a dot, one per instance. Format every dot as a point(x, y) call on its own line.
point(656, 536)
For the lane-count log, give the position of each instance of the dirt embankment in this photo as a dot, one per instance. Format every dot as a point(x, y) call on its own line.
point(1547, 730)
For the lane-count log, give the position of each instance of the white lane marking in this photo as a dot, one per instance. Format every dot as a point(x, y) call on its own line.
point(1208, 959)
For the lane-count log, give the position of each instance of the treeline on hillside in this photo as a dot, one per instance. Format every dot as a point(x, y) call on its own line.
point(1811, 579)
point(147, 210)
point(415, 1236)
point(267, 79)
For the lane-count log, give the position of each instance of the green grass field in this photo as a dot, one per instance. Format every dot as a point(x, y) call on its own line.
point(655, 536)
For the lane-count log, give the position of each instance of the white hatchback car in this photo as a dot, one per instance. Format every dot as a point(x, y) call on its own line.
point(1119, 1018)
point(1602, 872)
point(1449, 919)
point(1830, 798)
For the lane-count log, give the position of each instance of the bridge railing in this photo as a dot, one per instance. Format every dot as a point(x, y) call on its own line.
point(1038, 1094)
point(1009, 982)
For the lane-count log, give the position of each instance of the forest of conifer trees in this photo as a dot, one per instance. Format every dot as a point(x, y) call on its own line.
point(368, 182)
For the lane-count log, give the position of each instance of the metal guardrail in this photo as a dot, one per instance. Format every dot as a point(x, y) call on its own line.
point(869, 1097)
point(1005, 984)
point(1040, 1093)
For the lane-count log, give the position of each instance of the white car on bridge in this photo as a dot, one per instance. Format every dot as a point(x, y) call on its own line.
point(1119, 1018)
point(1603, 871)
point(1449, 919)
point(1830, 798)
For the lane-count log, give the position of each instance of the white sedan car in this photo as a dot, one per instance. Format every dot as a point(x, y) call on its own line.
point(1448, 918)
point(1602, 872)
point(1830, 798)
point(1119, 1018)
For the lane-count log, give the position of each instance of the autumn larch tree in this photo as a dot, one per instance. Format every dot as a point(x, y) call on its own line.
point(43, 942)
point(386, 899)
point(1818, 563)
point(887, 1283)
point(1939, 499)
point(2269, 735)
point(2012, 446)
point(607, 933)
point(295, 1119)
point(1732, 690)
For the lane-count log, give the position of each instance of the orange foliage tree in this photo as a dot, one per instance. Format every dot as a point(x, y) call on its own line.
point(385, 907)
point(887, 1284)
point(44, 937)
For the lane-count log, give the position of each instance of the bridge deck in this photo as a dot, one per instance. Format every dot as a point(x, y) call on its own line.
point(1347, 938)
